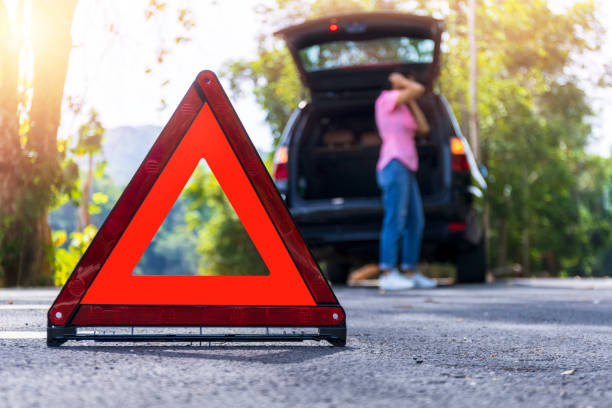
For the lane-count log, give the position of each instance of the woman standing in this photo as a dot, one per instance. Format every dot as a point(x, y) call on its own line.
point(399, 119)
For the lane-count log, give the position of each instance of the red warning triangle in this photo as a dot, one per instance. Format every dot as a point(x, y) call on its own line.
point(102, 289)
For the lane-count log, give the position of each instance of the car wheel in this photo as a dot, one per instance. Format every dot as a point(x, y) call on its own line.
point(337, 272)
point(472, 263)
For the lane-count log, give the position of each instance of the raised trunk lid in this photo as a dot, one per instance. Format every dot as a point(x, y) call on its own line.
point(357, 52)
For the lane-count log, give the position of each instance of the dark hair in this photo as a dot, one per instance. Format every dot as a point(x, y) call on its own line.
point(408, 73)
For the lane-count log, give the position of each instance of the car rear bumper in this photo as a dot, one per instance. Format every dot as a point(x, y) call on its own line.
point(325, 234)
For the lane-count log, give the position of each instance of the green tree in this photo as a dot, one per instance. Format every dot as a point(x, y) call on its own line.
point(223, 244)
point(89, 144)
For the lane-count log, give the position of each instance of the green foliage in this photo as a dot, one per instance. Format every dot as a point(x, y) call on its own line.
point(545, 193)
point(67, 254)
point(89, 143)
point(173, 248)
point(275, 84)
point(78, 192)
point(223, 244)
point(90, 136)
point(533, 127)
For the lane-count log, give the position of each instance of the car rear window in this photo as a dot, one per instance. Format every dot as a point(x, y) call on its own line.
point(380, 51)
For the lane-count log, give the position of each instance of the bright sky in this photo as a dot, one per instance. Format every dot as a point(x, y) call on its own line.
point(107, 70)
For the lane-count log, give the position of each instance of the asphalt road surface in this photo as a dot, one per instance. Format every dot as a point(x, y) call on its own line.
point(531, 343)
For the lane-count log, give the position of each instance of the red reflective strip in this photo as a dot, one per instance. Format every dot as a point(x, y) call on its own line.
point(456, 226)
point(110, 315)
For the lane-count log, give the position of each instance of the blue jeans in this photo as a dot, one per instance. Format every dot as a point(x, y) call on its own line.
point(403, 221)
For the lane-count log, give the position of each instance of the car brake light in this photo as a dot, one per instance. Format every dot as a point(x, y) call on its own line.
point(333, 27)
point(459, 160)
point(456, 226)
point(281, 170)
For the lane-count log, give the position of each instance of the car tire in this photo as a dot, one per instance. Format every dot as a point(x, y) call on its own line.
point(472, 263)
point(337, 272)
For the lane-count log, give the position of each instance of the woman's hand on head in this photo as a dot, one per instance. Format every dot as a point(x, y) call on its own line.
point(397, 80)
point(409, 89)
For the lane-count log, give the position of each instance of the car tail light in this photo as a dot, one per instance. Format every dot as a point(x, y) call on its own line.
point(333, 27)
point(281, 170)
point(459, 160)
point(456, 226)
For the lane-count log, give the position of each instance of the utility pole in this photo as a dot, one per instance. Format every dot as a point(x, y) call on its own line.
point(474, 142)
point(473, 120)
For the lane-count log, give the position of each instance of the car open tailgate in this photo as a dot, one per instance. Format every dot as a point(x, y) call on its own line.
point(357, 51)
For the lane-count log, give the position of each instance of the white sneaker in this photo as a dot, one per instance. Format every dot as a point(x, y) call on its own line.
point(395, 281)
point(423, 282)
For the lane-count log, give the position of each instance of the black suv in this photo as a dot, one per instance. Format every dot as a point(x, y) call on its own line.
point(325, 166)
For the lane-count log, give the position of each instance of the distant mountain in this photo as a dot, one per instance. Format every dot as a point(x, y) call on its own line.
point(124, 149)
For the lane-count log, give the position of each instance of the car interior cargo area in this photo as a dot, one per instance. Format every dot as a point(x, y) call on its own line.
point(340, 147)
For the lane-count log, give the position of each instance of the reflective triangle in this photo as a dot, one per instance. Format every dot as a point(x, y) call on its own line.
point(102, 288)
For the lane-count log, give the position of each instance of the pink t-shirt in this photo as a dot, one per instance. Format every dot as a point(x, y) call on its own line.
point(396, 127)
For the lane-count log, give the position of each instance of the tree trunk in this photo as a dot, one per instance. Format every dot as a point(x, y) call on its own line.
point(525, 220)
point(474, 142)
point(525, 244)
point(550, 262)
point(502, 242)
point(51, 43)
